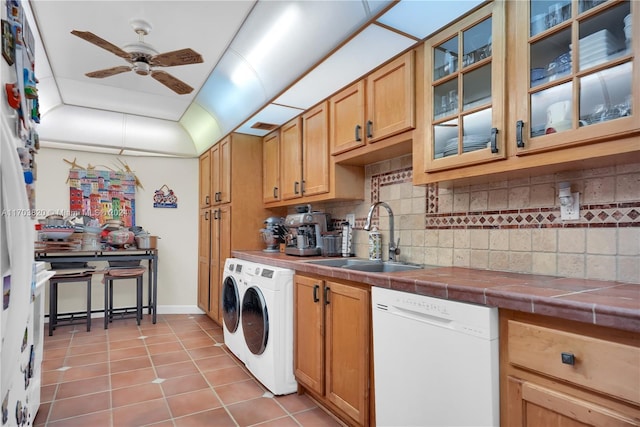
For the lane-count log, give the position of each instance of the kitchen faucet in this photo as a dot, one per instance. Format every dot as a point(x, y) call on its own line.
point(393, 247)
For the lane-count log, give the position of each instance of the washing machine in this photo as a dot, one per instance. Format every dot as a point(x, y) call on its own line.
point(267, 325)
point(233, 288)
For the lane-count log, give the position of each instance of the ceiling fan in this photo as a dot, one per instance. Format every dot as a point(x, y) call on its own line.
point(144, 58)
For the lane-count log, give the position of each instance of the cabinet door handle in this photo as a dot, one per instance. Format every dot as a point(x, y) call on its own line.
point(219, 196)
point(295, 188)
point(358, 129)
point(519, 129)
point(216, 214)
point(494, 140)
point(206, 216)
point(316, 288)
point(275, 192)
point(326, 295)
point(568, 358)
point(302, 186)
point(206, 200)
point(369, 129)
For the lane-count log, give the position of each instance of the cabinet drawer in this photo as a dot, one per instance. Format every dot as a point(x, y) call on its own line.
point(609, 367)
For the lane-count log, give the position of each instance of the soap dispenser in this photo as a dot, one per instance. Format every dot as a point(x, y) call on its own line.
point(347, 239)
point(375, 244)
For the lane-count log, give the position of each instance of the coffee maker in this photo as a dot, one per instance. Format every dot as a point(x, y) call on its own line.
point(304, 236)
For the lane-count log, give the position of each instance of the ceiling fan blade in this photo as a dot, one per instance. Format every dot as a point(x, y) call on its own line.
point(178, 86)
point(108, 72)
point(177, 57)
point(92, 38)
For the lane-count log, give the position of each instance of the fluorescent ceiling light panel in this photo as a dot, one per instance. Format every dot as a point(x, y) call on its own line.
point(416, 17)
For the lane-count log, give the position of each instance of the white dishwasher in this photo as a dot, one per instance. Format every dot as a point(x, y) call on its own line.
point(435, 361)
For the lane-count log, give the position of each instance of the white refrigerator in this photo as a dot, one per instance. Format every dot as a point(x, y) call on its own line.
point(21, 322)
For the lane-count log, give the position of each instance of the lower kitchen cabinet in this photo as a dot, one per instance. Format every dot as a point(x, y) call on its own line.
point(332, 345)
point(564, 374)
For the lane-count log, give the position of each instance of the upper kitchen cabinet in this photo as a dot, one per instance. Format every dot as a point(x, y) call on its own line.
point(271, 191)
point(307, 173)
point(205, 180)
point(580, 76)
point(374, 108)
point(221, 171)
point(464, 107)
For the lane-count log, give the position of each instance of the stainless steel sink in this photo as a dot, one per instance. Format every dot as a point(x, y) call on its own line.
point(383, 267)
point(340, 262)
point(366, 265)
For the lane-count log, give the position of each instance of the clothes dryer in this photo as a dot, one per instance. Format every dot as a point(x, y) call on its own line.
point(267, 326)
point(233, 288)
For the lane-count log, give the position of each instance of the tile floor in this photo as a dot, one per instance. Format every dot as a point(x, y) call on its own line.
point(174, 373)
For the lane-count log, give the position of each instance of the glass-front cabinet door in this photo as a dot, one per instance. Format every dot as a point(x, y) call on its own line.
point(464, 102)
point(579, 61)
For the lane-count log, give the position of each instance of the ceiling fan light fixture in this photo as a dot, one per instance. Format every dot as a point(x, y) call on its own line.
point(141, 68)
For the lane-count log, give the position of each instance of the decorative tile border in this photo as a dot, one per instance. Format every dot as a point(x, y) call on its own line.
point(625, 214)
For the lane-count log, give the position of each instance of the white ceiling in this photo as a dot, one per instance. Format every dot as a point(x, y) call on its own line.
point(253, 52)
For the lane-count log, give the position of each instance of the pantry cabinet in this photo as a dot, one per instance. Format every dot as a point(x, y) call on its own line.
point(561, 373)
point(235, 217)
point(315, 151)
point(568, 101)
point(205, 180)
point(374, 108)
point(291, 158)
point(332, 345)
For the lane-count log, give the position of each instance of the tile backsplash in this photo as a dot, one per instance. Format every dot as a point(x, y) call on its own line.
point(511, 225)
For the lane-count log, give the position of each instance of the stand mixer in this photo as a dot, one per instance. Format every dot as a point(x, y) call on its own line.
point(273, 233)
point(304, 237)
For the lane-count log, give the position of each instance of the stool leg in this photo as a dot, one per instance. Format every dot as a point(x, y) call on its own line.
point(106, 303)
point(52, 308)
point(139, 298)
point(110, 300)
point(89, 304)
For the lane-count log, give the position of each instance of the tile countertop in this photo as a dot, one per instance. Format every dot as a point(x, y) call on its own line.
point(605, 303)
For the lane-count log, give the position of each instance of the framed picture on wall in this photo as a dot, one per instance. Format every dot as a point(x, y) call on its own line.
point(8, 43)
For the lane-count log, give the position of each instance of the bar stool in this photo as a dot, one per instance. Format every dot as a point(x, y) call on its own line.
point(114, 274)
point(71, 318)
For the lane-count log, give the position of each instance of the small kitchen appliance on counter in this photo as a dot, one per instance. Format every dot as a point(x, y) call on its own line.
point(273, 233)
point(304, 237)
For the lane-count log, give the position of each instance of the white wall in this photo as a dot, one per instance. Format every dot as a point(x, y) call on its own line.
point(177, 228)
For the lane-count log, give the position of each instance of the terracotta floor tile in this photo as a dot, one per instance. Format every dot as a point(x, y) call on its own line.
point(296, 402)
point(206, 341)
point(191, 334)
point(200, 353)
point(160, 339)
point(84, 372)
point(52, 364)
point(130, 364)
point(129, 378)
point(127, 353)
point(187, 383)
point(102, 419)
point(256, 411)
point(43, 413)
point(194, 402)
point(226, 376)
point(164, 347)
point(140, 414)
point(81, 405)
point(51, 377)
point(56, 353)
point(171, 357)
point(96, 337)
point(316, 418)
point(86, 359)
point(88, 349)
point(135, 394)
point(82, 387)
point(217, 417)
point(239, 391)
point(218, 362)
point(280, 422)
point(152, 330)
point(176, 370)
point(128, 343)
point(48, 392)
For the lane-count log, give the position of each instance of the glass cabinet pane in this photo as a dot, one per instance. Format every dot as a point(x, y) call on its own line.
point(550, 58)
point(548, 14)
point(476, 129)
point(445, 58)
point(445, 139)
point(445, 99)
point(585, 5)
point(551, 110)
point(605, 37)
point(476, 43)
point(606, 95)
point(477, 87)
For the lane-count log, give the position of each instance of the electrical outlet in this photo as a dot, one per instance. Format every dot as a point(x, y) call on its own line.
point(351, 219)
